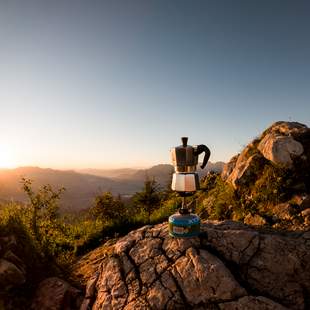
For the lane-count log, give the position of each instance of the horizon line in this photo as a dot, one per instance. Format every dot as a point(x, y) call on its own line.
point(77, 169)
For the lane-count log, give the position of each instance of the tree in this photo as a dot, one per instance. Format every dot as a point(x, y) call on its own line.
point(149, 198)
point(107, 207)
point(44, 211)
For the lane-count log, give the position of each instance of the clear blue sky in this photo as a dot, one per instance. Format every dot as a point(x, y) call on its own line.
point(117, 83)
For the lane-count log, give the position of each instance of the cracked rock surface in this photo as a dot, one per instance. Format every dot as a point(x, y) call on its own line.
point(229, 266)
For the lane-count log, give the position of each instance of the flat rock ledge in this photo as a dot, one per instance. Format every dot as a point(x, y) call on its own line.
point(229, 266)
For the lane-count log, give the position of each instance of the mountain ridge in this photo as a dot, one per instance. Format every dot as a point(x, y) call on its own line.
point(81, 188)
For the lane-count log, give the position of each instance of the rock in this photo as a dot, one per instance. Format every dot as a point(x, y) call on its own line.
point(283, 211)
point(9, 243)
point(56, 294)
point(274, 168)
point(235, 241)
point(281, 143)
point(306, 216)
point(148, 269)
point(252, 303)
point(10, 275)
point(204, 278)
point(161, 271)
point(271, 264)
point(255, 220)
point(229, 167)
point(280, 149)
point(298, 199)
point(11, 257)
point(305, 204)
point(278, 270)
point(245, 169)
point(287, 128)
point(306, 213)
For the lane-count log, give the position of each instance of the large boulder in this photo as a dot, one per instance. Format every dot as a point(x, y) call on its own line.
point(220, 269)
point(280, 149)
point(283, 141)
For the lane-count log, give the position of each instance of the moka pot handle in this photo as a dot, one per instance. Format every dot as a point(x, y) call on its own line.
point(200, 149)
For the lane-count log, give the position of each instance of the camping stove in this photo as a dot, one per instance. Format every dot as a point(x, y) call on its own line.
point(185, 182)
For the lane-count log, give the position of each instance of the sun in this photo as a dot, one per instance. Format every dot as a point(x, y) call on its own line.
point(6, 158)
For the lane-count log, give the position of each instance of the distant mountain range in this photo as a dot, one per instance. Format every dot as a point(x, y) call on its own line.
point(83, 185)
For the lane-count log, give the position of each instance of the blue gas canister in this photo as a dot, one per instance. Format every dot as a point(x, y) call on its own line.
point(184, 225)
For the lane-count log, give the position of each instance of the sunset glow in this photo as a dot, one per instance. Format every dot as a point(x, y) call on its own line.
point(6, 158)
point(117, 83)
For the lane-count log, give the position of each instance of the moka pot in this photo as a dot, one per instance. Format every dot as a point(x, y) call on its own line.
point(184, 158)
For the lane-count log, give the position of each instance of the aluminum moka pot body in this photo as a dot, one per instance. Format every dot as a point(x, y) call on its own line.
point(185, 157)
point(185, 182)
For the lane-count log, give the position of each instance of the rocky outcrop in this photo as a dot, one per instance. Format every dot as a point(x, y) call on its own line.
point(282, 143)
point(266, 177)
point(230, 266)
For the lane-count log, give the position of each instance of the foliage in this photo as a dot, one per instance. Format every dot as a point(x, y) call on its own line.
point(268, 186)
point(107, 207)
point(51, 241)
point(167, 207)
point(272, 186)
point(218, 202)
point(44, 222)
point(14, 222)
point(149, 198)
point(208, 182)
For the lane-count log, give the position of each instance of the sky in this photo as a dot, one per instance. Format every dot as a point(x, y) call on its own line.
point(106, 84)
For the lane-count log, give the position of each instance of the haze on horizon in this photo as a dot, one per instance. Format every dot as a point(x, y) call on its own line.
point(107, 84)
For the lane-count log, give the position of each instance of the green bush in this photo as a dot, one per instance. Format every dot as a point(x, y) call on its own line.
point(273, 186)
point(217, 203)
point(149, 198)
point(167, 208)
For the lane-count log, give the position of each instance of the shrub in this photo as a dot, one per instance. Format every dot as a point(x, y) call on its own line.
point(108, 208)
point(219, 202)
point(149, 198)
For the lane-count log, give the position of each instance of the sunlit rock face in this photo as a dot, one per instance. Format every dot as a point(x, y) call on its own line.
point(280, 149)
point(230, 266)
point(282, 144)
